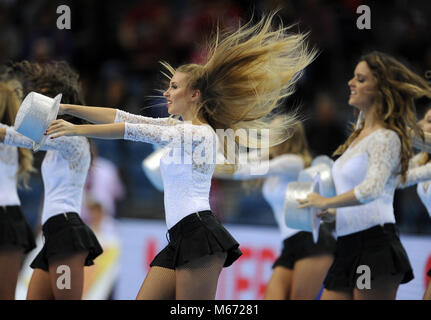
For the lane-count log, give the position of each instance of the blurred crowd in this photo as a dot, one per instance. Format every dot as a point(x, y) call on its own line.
point(116, 46)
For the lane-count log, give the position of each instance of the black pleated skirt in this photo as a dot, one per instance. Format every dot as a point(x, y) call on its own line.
point(301, 245)
point(379, 248)
point(195, 236)
point(15, 230)
point(66, 233)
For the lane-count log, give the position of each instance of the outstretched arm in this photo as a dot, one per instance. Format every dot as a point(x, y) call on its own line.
point(91, 114)
point(69, 147)
point(315, 200)
point(148, 133)
point(424, 145)
point(101, 115)
point(101, 131)
point(415, 176)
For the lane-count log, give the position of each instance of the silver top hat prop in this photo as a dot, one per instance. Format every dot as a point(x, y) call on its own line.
point(302, 219)
point(151, 167)
point(34, 116)
point(321, 165)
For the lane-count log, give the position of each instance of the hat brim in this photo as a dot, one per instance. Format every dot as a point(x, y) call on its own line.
point(51, 117)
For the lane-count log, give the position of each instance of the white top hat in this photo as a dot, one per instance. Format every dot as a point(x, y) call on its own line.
point(321, 165)
point(302, 219)
point(34, 116)
point(151, 167)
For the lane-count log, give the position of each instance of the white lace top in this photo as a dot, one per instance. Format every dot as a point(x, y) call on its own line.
point(64, 171)
point(370, 167)
point(8, 174)
point(281, 171)
point(187, 165)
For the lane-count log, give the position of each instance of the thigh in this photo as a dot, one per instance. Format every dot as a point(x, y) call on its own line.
point(10, 266)
point(427, 294)
point(337, 294)
point(278, 287)
point(308, 276)
point(66, 273)
point(40, 286)
point(197, 280)
point(382, 288)
point(159, 284)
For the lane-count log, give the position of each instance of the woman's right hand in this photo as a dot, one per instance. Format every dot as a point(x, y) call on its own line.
point(59, 128)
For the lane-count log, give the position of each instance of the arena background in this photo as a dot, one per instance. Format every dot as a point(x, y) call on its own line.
point(116, 47)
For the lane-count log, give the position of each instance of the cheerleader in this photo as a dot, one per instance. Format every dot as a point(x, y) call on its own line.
point(16, 164)
point(423, 188)
point(299, 271)
point(365, 177)
point(69, 242)
point(246, 75)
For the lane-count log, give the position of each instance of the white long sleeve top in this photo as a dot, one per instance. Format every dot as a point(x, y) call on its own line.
point(187, 165)
point(370, 167)
point(281, 171)
point(8, 174)
point(64, 171)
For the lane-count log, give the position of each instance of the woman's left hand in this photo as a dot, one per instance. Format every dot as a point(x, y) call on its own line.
point(313, 200)
point(59, 128)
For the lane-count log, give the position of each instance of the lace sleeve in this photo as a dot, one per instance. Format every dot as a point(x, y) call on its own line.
point(182, 134)
point(383, 158)
point(5, 150)
point(285, 165)
point(123, 116)
point(415, 160)
point(416, 175)
point(69, 147)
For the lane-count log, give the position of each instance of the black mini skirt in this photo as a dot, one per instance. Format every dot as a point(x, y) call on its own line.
point(379, 248)
point(301, 245)
point(15, 230)
point(195, 236)
point(66, 233)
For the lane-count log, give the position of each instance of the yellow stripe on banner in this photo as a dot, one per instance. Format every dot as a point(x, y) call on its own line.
point(101, 270)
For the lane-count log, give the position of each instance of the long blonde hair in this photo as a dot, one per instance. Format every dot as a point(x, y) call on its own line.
point(397, 89)
point(9, 105)
point(247, 74)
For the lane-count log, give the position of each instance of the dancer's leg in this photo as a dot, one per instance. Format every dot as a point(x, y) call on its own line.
point(198, 279)
point(10, 266)
point(66, 275)
point(159, 284)
point(279, 285)
point(308, 276)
